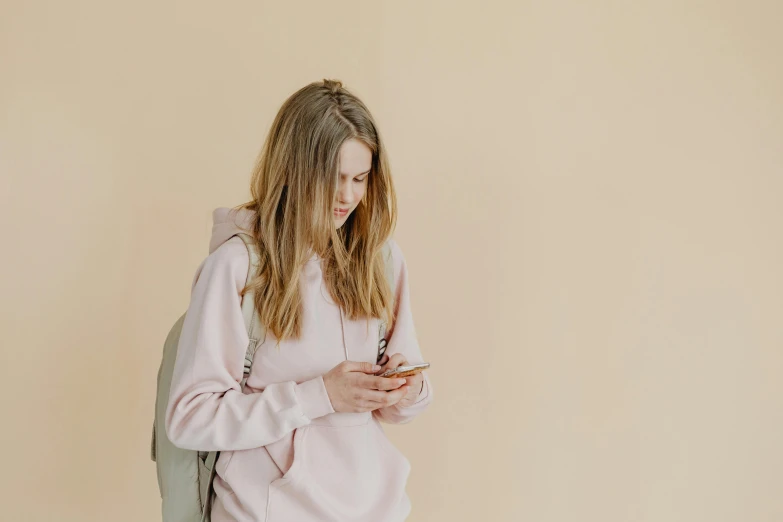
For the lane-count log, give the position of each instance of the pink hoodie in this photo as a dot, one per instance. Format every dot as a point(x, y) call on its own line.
point(286, 455)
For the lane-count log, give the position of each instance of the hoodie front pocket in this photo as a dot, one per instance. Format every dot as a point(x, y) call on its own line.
point(340, 474)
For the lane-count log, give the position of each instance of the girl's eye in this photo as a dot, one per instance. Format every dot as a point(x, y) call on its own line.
point(357, 180)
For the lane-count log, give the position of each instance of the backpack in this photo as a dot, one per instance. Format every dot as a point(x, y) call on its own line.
point(185, 476)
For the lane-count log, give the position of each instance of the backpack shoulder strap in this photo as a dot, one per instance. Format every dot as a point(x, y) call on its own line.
point(255, 329)
point(388, 263)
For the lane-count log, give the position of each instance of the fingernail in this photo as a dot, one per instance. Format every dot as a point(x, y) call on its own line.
point(376, 368)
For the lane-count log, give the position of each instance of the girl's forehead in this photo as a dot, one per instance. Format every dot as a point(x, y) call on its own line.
point(355, 158)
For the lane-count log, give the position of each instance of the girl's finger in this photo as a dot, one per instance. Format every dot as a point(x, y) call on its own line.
point(384, 398)
point(383, 383)
point(397, 360)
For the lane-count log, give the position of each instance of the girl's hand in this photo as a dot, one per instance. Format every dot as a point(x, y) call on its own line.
point(353, 388)
point(414, 383)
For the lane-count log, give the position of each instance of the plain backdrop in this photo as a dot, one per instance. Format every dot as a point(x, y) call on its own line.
point(590, 206)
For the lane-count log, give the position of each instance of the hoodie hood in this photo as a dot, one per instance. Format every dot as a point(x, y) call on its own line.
point(227, 222)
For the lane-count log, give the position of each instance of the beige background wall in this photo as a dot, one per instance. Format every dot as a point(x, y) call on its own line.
point(590, 199)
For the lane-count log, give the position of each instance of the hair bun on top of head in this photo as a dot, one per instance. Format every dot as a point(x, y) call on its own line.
point(334, 86)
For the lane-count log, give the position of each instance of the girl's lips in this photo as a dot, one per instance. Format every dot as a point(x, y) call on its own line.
point(340, 212)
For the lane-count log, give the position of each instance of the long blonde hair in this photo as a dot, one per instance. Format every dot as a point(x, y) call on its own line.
point(293, 188)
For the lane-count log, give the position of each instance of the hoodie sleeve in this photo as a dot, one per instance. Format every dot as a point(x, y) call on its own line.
point(402, 339)
point(207, 410)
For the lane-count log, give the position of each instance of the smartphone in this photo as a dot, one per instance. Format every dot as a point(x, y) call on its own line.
point(405, 371)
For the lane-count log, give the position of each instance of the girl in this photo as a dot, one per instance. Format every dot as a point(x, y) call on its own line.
point(302, 440)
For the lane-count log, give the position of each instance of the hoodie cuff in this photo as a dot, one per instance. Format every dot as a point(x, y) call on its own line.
point(313, 398)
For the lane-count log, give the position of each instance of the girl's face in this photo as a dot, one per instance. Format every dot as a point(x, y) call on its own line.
point(355, 165)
